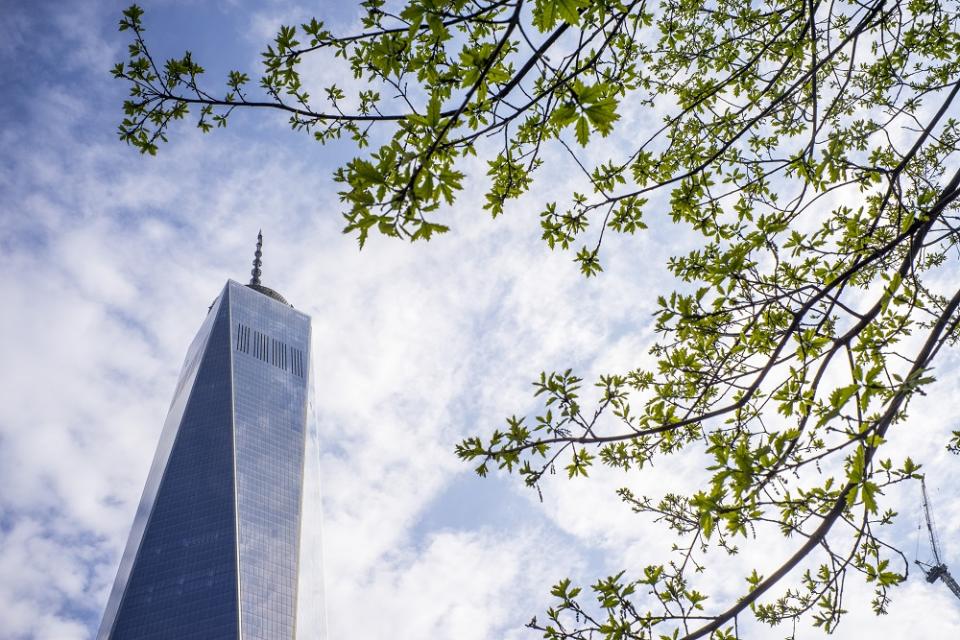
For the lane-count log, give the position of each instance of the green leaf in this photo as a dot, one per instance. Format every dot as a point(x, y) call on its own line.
point(602, 115)
point(569, 10)
point(583, 131)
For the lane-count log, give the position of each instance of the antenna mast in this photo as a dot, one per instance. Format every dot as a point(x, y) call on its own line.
point(255, 280)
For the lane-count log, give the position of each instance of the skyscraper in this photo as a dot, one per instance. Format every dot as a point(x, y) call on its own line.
point(225, 542)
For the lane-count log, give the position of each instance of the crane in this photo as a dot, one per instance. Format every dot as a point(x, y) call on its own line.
point(938, 570)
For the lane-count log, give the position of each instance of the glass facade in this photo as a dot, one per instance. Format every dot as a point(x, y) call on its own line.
point(217, 549)
point(270, 425)
point(311, 616)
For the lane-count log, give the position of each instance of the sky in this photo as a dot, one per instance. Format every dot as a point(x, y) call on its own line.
point(110, 260)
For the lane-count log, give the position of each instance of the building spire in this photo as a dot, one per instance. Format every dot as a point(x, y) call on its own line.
point(256, 273)
point(255, 280)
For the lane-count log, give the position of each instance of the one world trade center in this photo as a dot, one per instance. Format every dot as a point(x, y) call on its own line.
point(225, 543)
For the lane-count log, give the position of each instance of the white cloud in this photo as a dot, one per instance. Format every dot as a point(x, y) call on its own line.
point(468, 585)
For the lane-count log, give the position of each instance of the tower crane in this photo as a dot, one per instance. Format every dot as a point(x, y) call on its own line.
point(937, 570)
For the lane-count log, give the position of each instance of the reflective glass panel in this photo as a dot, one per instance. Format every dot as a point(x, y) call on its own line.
point(183, 582)
point(270, 422)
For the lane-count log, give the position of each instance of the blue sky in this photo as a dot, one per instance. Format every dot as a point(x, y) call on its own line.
point(110, 260)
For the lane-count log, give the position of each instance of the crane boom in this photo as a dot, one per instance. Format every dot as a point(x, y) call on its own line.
point(931, 529)
point(938, 570)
